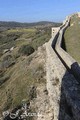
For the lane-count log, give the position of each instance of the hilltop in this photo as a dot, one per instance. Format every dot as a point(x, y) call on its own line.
point(34, 24)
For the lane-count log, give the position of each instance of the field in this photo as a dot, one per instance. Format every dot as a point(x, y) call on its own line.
point(72, 38)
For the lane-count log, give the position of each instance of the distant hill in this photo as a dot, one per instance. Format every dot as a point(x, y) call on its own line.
point(18, 24)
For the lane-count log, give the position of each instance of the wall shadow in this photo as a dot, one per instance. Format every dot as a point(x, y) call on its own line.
point(63, 45)
point(69, 106)
point(54, 41)
point(65, 111)
point(75, 68)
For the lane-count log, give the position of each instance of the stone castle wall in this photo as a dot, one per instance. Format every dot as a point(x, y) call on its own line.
point(67, 88)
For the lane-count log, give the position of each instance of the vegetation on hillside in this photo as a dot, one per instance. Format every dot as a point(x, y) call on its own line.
point(23, 36)
point(21, 69)
point(26, 50)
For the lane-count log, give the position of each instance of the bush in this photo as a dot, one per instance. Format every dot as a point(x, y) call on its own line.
point(7, 61)
point(26, 50)
point(4, 79)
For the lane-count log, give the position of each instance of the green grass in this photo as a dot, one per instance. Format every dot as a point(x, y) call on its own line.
point(24, 30)
point(72, 38)
point(39, 41)
point(23, 36)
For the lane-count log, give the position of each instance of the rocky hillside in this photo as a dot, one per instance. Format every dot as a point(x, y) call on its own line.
point(22, 71)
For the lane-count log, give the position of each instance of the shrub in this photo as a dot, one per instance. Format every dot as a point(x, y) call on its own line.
point(32, 93)
point(26, 50)
point(7, 61)
point(4, 79)
point(1, 53)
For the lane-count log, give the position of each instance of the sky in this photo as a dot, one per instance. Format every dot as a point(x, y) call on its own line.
point(37, 10)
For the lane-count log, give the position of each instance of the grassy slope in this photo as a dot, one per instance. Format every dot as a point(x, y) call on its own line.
point(23, 75)
point(19, 36)
point(27, 71)
point(72, 38)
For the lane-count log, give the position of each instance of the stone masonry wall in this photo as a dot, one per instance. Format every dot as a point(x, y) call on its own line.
point(67, 59)
point(63, 88)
